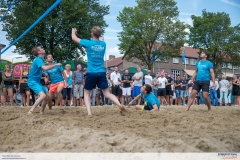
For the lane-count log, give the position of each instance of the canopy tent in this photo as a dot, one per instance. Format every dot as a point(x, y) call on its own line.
point(133, 70)
point(189, 72)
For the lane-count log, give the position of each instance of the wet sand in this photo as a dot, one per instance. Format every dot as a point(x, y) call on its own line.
point(169, 130)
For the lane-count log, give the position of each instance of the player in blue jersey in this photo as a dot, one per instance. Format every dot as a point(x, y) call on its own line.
point(151, 101)
point(58, 80)
point(96, 74)
point(35, 76)
point(201, 78)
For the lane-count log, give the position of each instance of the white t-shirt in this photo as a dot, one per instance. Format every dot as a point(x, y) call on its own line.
point(162, 82)
point(148, 80)
point(224, 85)
point(114, 77)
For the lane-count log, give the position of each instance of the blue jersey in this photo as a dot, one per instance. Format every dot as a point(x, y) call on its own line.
point(95, 54)
point(36, 69)
point(55, 74)
point(203, 70)
point(151, 99)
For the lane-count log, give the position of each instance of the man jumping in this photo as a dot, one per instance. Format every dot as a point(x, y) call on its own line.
point(96, 74)
point(35, 76)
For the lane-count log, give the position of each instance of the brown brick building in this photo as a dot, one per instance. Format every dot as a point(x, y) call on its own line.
point(174, 66)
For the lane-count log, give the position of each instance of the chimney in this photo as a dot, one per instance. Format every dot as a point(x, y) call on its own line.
point(111, 57)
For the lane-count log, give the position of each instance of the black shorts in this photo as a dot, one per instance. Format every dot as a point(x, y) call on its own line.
point(169, 92)
point(24, 88)
point(117, 91)
point(204, 85)
point(235, 92)
point(161, 92)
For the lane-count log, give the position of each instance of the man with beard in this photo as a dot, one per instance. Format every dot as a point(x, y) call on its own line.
point(204, 68)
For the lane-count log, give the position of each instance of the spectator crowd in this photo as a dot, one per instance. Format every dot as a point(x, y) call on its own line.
point(124, 86)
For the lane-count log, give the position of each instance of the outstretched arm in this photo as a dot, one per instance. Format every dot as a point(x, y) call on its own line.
point(74, 37)
point(136, 98)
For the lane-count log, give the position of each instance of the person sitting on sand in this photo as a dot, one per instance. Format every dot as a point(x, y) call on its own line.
point(151, 101)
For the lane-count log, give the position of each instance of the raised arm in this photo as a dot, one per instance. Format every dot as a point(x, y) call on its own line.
point(74, 36)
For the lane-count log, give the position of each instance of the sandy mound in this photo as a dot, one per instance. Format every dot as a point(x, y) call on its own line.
point(168, 130)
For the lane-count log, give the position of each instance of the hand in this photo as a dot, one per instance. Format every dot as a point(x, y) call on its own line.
point(58, 64)
point(66, 84)
point(191, 80)
point(130, 104)
point(74, 30)
point(213, 86)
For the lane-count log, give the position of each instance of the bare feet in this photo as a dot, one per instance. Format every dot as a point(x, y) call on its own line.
point(41, 112)
point(187, 108)
point(123, 111)
point(30, 112)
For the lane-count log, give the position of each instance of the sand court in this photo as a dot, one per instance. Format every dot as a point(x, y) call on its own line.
point(169, 130)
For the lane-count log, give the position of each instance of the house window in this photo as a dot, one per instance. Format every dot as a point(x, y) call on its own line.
point(193, 61)
point(224, 65)
point(175, 73)
point(175, 60)
point(186, 60)
point(229, 66)
point(235, 67)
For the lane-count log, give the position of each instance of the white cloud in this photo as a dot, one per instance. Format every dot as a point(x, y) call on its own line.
point(231, 3)
point(195, 4)
point(187, 30)
point(187, 21)
point(9, 55)
point(112, 30)
point(113, 51)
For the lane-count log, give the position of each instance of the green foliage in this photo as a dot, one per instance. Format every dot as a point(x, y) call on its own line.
point(149, 25)
point(54, 31)
point(213, 32)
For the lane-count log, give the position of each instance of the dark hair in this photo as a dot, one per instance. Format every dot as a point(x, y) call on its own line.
point(148, 88)
point(35, 50)
point(206, 52)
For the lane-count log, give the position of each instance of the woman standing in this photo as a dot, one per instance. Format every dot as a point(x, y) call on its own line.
point(24, 89)
point(67, 90)
point(223, 85)
point(235, 89)
point(7, 85)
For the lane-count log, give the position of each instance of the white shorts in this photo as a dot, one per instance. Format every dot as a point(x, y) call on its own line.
point(126, 91)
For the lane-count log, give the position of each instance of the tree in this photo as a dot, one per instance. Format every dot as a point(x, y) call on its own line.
point(54, 31)
point(151, 30)
point(213, 32)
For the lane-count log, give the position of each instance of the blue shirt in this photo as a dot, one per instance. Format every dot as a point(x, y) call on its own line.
point(151, 99)
point(36, 69)
point(203, 70)
point(78, 77)
point(55, 74)
point(95, 54)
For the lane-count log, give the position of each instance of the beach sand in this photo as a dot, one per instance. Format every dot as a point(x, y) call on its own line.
point(169, 130)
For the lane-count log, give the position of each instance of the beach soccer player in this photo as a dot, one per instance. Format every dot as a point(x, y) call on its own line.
point(204, 68)
point(151, 101)
point(56, 75)
point(35, 76)
point(96, 74)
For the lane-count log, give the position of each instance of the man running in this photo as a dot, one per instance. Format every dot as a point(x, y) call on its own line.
point(35, 76)
point(96, 74)
point(55, 76)
point(202, 75)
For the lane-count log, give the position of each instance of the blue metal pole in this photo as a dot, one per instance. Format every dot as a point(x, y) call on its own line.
point(9, 7)
point(33, 25)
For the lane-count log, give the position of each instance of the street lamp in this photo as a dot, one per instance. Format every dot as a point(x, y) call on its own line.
point(1, 47)
point(12, 60)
